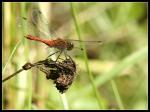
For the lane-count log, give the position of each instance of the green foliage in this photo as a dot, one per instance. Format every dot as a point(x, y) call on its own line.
point(111, 75)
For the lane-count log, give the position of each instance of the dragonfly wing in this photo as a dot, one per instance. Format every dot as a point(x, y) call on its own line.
point(39, 23)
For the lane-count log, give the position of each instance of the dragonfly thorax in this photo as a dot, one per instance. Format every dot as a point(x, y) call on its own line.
point(70, 45)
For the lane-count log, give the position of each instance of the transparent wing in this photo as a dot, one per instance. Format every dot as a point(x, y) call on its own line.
point(38, 25)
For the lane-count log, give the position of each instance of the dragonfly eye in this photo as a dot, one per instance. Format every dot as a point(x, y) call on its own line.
point(69, 46)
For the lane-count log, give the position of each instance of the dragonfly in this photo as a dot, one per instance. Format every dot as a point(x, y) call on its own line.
point(63, 45)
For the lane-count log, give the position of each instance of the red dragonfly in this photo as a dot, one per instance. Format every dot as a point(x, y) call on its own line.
point(58, 43)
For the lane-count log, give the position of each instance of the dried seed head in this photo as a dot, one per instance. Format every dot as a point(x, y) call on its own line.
point(67, 75)
point(49, 67)
point(62, 72)
point(63, 82)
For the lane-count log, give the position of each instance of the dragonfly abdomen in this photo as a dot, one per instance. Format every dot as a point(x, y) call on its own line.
point(57, 43)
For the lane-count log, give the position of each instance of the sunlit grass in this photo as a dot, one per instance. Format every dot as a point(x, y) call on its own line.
point(115, 79)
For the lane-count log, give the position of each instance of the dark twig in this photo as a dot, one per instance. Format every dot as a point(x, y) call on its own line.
point(27, 66)
point(5, 79)
point(62, 72)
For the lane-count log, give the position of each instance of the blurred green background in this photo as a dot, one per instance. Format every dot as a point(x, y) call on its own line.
point(115, 76)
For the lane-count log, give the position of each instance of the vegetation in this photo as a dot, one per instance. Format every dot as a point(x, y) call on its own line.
point(110, 75)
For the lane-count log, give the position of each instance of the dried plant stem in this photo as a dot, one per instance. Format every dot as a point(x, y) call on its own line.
point(7, 78)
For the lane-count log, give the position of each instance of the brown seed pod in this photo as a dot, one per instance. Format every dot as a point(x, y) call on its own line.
point(62, 72)
point(49, 67)
point(68, 69)
point(63, 82)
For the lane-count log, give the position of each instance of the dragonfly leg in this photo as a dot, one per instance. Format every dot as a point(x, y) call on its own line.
point(65, 53)
point(58, 56)
point(52, 54)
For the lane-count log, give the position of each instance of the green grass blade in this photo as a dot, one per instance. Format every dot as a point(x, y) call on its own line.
point(10, 57)
point(117, 96)
point(73, 7)
point(128, 61)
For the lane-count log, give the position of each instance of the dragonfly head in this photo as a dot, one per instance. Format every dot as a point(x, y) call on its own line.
point(70, 46)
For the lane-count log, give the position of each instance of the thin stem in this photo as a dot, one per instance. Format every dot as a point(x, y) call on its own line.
point(85, 56)
point(7, 78)
point(27, 66)
point(117, 96)
point(64, 100)
point(11, 55)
